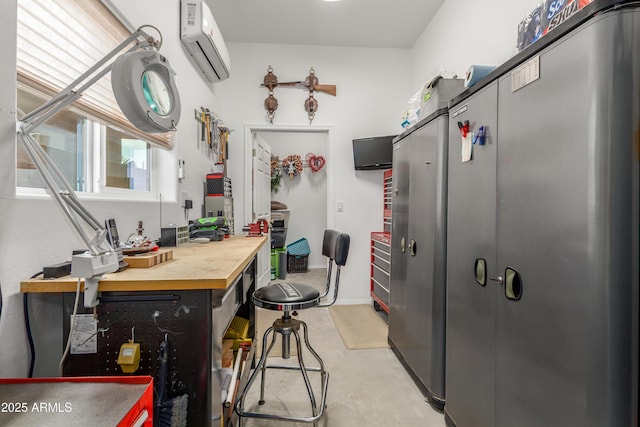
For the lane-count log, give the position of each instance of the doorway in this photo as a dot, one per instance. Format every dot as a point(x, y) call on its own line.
point(308, 194)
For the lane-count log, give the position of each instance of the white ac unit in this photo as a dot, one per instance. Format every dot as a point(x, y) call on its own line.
point(201, 37)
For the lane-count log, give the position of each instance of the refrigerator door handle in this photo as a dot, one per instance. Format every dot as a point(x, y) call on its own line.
point(513, 288)
point(403, 245)
point(481, 273)
point(412, 247)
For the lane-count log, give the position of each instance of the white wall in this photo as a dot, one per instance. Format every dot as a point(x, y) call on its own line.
point(467, 32)
point(371, 85)
point(33, 233)
point(306, 194)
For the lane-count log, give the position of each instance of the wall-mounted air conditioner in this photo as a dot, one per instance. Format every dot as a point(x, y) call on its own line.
point(201, 37)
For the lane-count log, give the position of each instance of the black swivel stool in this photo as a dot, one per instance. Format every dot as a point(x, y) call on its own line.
point(287, 297)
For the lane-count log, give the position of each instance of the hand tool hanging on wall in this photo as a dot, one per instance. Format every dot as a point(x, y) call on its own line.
point(207, 120)
point(213, 132)
point(270, 81)
point(200, 118)
point(204, 118)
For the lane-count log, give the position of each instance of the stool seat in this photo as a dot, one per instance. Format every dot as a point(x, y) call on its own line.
point(286, 296)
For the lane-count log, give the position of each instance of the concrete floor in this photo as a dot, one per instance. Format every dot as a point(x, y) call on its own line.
point(366, 387)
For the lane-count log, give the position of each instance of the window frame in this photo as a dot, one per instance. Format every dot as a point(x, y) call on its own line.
point(93, 157)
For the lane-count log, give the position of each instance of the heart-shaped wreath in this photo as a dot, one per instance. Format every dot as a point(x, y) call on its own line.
point(314, 162)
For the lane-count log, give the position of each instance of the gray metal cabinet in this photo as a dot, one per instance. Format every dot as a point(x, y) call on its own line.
point(563, 326)
point(553, 340)
point(399, 235)
point(471, 237)
point(418, 292)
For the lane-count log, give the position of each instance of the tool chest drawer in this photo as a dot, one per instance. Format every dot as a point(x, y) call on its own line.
point(380, 269)
point(381, 254)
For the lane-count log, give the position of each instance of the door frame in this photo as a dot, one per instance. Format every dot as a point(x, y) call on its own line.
point(249, 129)
point(261, 169)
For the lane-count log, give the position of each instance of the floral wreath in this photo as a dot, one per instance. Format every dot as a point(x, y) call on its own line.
point(292, 165)
point(314, 162)
point(276, 175)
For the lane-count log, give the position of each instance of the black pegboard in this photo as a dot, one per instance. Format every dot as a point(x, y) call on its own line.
point(184, 317)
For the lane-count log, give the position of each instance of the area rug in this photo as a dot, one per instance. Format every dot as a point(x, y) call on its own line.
point(359, 326)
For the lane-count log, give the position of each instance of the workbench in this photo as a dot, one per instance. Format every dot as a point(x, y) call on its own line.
point(189, 300)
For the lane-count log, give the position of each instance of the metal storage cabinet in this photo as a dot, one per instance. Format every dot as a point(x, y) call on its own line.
point(399, 231)
point(418, 293)
point(566, 242)
point(569, 337)
point(471, 235)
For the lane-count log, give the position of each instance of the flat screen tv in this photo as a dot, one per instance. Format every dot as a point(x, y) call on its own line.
point(373, 153)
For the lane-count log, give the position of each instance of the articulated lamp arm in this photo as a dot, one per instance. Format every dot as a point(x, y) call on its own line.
point(101, 257)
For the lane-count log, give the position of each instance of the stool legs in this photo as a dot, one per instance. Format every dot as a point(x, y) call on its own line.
point(285, 327)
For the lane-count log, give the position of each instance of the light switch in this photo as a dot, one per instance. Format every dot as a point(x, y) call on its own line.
point(340, 206)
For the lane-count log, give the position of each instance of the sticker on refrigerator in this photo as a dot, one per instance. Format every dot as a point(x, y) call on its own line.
point(459, 111)
point(525, 74)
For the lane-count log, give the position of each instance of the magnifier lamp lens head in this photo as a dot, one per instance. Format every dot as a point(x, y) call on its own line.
point(156, 92)
point(143, 85)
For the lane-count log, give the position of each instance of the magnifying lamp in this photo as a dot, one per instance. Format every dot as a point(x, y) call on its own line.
point(145, 91)
point(142, 82)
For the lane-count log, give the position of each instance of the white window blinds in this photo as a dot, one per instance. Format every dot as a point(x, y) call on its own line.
point(59, 40)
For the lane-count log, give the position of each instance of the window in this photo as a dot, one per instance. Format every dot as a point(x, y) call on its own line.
point(61, 137)
point(91, 141)
point(127, 162)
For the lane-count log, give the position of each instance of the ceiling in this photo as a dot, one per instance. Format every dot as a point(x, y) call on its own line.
point(355, 23)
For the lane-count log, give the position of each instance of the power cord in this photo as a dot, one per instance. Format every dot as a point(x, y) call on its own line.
point(71, 328)
point(27, 324)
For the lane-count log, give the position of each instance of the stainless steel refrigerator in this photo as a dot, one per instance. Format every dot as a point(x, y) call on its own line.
point(543, 233)
point(418, 240)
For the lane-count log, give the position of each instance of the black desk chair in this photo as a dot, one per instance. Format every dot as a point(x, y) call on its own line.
point(287, 297)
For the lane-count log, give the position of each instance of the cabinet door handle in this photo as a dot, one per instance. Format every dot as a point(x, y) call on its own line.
point(513, 284)
point(481, 271)
point(396, 191)
point(412, 247)
point(403, 245)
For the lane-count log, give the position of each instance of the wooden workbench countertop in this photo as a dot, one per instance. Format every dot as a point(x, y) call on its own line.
point(213, 265)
